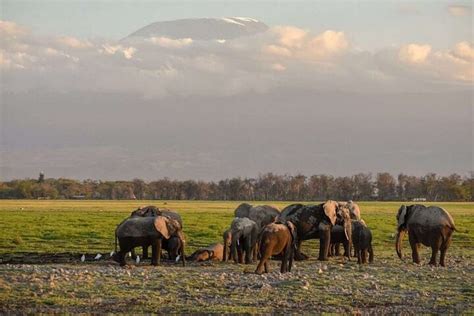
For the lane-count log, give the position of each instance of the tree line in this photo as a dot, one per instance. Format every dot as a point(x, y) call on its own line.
point(271, 187)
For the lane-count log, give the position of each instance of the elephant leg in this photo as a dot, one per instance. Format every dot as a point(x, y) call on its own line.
point(133, 254)
point(262, 265)
point(347, 250)
point(371, 254)
point(121, 258)
point(158, 249)
point(414, 248)
point(364, 256)
point(248, 251)
point(266, 267)
point(299, 256)
point(286, 258)
point(435, 247)
point(337, 250)
point(324, 242)
point(145, 252)
point(358, 254)
point(154, 253)
point(240, 254)
point(444, 248)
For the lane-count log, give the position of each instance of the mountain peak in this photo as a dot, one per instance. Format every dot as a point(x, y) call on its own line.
point(202, 28)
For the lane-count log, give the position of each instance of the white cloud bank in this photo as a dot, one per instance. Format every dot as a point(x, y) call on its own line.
point(459, 10)
point(283, 56)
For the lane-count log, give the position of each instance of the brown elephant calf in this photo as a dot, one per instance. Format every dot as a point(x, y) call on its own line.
point(277, 239)
point(211, 252)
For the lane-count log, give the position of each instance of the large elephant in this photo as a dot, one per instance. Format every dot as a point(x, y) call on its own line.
point(244, 239)
point(260, 214)
point(144, 231)
point(431, 226)
point(150, 211)
point(277, 239)
point(312, 221)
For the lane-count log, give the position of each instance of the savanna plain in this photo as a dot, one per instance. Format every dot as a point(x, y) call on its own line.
point(41, 271)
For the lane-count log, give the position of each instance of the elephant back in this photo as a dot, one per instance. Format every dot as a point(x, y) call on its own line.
point(242, 224)
point(291, 211)
point(263, 214)
point(137, 227)
point(431, 216)
point(146, 211)
point(242, 210)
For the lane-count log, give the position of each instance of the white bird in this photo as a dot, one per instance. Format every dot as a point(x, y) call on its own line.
point(177, 258)
point(138, 259)
point(112, 253)
point(98, 256)
point(83, 258)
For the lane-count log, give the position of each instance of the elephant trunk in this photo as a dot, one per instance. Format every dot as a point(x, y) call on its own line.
point(233, 248)
point(398, 243)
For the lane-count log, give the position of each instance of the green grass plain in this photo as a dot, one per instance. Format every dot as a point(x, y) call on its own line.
point(88, 226)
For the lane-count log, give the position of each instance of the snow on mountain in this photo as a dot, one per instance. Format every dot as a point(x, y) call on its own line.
point(202, 28)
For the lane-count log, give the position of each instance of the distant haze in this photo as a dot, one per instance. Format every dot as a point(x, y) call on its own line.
point(250, 99)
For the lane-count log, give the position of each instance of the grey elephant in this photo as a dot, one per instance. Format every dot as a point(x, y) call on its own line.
point(362, 241)
point(244, 239)
point(150, 211)
point(144, 231)
point(431, 226)
point(260, 214)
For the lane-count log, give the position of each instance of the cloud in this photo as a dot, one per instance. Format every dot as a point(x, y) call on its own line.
point(414, 53)
point(10, 29)
point(74, 42)
point(109, 49)
point(171, 43)
point(300, 44)
point(459, 10)
point(290, 36)
point(287, 57)
point(465, 51)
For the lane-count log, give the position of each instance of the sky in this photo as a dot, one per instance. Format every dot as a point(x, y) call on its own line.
point(334, 87)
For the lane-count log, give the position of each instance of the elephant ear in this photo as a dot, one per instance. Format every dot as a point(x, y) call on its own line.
point(330, 208)
point(402, 212)
point(292, 229)
point(161, 225)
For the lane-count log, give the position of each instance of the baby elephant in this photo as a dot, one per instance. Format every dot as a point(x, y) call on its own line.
point(362, 241)
point(211, 252)
point(277, 239)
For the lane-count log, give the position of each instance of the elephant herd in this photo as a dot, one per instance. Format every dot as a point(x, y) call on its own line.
point(259, 233)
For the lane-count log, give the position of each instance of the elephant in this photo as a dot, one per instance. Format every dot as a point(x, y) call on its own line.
point(277, 239)
point(227, 242)
point(152, 210)
point(260, 214)
point(362, 241)
point(353, 209)
point(431, 226)
point(143, 231)
point(341, 233)
point(244, 238)
point(312, 221)
point(211, 252)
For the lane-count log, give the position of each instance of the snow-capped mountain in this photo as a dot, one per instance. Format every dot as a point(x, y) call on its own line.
point(202, 29)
